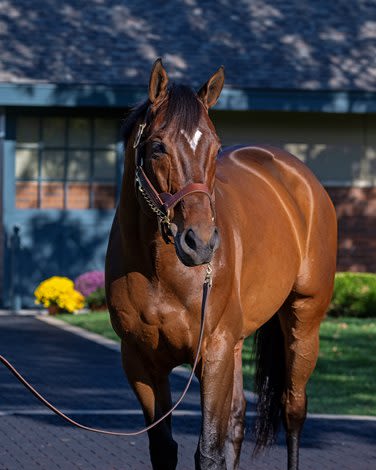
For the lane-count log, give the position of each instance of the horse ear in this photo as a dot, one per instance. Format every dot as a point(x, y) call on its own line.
point(209, 93)
point(158, 81)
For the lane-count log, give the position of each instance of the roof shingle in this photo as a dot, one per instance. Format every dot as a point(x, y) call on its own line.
point(284, 44)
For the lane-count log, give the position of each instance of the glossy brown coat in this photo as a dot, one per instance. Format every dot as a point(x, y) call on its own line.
point(276, 255)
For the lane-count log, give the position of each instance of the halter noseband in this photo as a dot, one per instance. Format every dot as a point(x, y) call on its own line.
point(161, 203)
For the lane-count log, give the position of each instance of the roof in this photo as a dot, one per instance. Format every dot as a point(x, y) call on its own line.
point(277, 44)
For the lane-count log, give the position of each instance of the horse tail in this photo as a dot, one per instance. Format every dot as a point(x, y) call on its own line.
point(269, 356)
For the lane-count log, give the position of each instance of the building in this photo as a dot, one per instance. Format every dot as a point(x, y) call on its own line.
point(299, 74)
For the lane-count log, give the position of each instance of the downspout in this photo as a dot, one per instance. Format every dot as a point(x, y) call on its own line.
point(2, 238)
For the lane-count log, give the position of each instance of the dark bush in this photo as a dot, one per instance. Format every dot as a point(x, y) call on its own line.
point(97, 299)
point(354, 295)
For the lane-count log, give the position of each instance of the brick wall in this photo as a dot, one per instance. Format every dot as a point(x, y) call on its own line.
point(356, 213)
point(52, 195)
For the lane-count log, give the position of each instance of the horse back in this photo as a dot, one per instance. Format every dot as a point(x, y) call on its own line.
point(243, 170)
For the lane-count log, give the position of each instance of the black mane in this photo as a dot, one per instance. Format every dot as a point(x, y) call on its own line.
point(135, 115)
point(181, 106)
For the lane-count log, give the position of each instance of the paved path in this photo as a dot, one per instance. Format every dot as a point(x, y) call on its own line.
point(79, 375)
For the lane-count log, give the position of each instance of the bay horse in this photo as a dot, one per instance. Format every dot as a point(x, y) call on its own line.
point(268, 228)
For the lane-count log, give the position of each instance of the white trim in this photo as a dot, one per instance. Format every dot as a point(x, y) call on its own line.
point(85, 412)
point(338, 417)
point(22, 312)
point(232, 98)
point(348, 184)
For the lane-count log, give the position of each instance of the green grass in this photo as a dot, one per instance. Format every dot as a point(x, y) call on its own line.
point(344, 381)
point(97, 322)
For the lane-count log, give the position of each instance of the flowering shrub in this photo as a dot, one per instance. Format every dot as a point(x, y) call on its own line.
point(97, 299)
point(89, 282)
point(60, 292)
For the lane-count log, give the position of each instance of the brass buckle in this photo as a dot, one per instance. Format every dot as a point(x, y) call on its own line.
point(139, 134)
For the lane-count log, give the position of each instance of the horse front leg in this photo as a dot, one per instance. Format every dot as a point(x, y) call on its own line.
point(216, 386)
point(152, 388)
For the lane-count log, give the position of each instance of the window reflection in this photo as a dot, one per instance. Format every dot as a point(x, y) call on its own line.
point(26, 163)
point(53, 164)
point(65, 162)
point(79, 132)
point(54, 132)
point(78, 165)
point(104, 165)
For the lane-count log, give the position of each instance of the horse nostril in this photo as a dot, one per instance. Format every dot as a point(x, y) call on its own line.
point(214, 240)
point(190, 239)
point(192, 250)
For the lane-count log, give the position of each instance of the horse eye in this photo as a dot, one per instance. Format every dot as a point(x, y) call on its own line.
point(158, 148)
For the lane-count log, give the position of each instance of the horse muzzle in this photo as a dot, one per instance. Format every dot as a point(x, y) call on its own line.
point(192, 250)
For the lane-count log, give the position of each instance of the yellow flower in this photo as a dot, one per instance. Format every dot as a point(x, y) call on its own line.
point(59, 291)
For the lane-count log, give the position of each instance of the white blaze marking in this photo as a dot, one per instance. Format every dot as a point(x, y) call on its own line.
point(193, 142)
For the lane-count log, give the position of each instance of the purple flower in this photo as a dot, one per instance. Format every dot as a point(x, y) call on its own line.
point(89, 282)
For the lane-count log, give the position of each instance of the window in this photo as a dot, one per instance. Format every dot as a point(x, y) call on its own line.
point(339, 148)
point(66, 162)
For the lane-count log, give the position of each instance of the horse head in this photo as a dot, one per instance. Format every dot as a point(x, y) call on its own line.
point(176, 148)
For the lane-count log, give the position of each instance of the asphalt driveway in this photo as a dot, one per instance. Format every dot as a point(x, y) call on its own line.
point(86, 379)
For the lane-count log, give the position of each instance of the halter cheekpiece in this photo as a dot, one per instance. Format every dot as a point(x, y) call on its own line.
point(161, 203)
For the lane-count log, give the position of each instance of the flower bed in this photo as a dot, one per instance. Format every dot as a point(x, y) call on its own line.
point(57, 294)
point(89, 282)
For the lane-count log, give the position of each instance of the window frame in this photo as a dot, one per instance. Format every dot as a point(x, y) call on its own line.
point(91, 115)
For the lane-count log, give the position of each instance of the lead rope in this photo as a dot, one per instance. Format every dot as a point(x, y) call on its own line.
point(206, 290)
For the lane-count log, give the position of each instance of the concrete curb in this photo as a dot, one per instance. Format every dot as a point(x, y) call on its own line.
point(99, 339)
point(23, 312)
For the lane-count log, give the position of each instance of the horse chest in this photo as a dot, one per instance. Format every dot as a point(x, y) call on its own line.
point(154, 317)
point(163, 332)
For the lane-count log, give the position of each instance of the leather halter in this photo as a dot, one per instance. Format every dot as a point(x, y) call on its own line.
point(161, 203)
